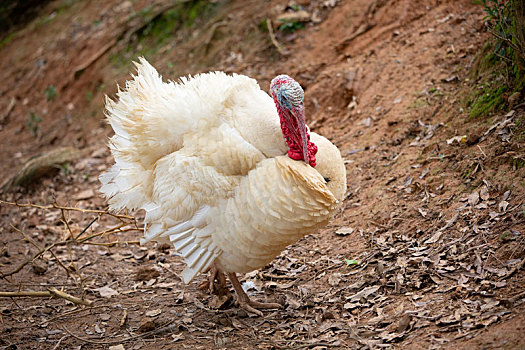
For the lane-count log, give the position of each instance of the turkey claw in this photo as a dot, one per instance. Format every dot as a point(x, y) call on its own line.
point(251, 306)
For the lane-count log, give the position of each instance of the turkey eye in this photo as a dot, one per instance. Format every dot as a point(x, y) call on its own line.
point(326, 179)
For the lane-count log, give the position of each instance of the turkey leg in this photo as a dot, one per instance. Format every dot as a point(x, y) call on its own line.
point(215, 274)
point(244, 300)
point(219, 287)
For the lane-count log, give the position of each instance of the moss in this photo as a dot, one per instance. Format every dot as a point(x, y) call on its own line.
point(161, 29)
point(488, 101)
point(7, 39)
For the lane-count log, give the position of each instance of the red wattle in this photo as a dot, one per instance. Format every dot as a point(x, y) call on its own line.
point(294, 150)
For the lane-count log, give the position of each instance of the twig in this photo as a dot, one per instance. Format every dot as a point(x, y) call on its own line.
point(25, 294)
point(117, 229)
point(56, 206)
point(114, 243)
point(8, 111)
point(508, 42)
point(87, 227)
point(59, 294)
point(66, 223)
point(51, 292)
point(59, 341)
point(273, 39)
point(42, 250)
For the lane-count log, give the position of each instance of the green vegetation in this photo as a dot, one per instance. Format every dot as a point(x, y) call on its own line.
point(351, 262)
point(51, 93)
point(499, 68)
point(7, 39)
point(263, 26)
point(487, 101)
point(291, 26)
point(160, 29)
point(32, 123)
point(506, 21)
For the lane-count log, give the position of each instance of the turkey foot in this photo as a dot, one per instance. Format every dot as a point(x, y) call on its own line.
point(218, 288)
point(244, 300)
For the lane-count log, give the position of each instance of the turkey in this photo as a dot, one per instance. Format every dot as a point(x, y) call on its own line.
point(225, 173)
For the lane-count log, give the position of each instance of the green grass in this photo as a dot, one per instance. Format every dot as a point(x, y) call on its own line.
point(50, 92)
point(7, 39)
point(161, 29)
point(32, 123)
point(488, 101)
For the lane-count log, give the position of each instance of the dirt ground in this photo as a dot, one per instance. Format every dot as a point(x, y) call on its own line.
point(427, 251)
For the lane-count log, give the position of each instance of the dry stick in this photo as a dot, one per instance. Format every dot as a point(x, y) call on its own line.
point(66, 223)
point(273, 39)
point(75, 300)
point(508, 41)
point(62, 243)
point(50, 251)
point(114, 243)
point(59, 341)
point(72, 263)
point(87, 227)
point(51, 292)
point(56, 206)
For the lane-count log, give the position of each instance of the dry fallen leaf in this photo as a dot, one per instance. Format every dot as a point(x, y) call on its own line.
point(484, 193)
point(106, 292)
point(117, 347)
point(153, 313)
point(458, 139)
point(363, 293)
point(177, 337)
point(344, 231)
point(473, 198)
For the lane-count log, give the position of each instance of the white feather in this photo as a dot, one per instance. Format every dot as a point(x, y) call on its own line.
point(204, 158)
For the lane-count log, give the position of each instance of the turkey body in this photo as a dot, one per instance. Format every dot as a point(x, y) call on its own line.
point(207, 160)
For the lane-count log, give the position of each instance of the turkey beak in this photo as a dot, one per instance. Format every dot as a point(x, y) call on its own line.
point(298, 113)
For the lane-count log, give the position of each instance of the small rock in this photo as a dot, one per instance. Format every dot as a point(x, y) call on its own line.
point(39, 269)
point(146, 325)
point(146, 273)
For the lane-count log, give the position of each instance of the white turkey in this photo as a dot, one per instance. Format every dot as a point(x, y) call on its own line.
point(225, 173)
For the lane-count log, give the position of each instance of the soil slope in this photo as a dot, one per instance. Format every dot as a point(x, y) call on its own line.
point(427, 251)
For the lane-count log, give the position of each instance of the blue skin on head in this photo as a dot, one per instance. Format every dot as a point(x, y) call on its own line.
point(287, 91)
point(289, 97)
